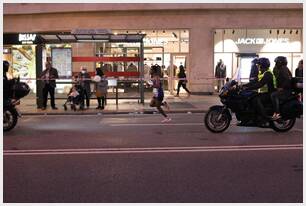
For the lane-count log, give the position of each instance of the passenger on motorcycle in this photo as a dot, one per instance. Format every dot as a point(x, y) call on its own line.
point(283, 80)
point(266, 85)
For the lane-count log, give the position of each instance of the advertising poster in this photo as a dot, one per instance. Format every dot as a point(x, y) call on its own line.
point(62, 61)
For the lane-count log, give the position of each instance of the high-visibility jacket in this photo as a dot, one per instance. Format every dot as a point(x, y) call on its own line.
point(264, 88)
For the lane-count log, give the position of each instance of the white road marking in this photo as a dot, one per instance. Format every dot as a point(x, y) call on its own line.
point(157, 124)
point(153, 150)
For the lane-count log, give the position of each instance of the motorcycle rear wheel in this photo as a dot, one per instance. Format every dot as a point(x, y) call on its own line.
point(10, 118)
point(216, 123)
point(282, 125)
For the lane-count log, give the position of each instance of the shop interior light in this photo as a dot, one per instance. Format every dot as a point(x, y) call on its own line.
point(297, 31)
point(284, 31)
point(115, 33)
point(277, 31)
point(270, 31)
point(127, 32)
point(163, 31)
point(174, 35)
point(184, 31)
point(290, 31)
point(153, 31)
point(233, 32)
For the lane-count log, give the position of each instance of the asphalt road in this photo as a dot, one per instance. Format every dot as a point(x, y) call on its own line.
point(135, 158)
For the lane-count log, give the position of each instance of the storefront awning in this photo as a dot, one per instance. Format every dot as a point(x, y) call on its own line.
point(58, 38)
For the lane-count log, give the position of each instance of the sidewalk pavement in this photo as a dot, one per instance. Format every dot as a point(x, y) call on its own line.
point(182, 104)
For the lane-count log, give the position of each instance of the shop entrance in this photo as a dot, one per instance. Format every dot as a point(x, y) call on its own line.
point(244, 61)
point(176, 59)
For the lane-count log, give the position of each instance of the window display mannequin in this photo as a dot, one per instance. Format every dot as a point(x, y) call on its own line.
point(220, 74)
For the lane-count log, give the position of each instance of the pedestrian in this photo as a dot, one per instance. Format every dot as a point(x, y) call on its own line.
point(220, 74)
point(101, 88)
point(85, 81)
point(299, 76)
point(49, 75)
point(158, 93)
point(182, 81)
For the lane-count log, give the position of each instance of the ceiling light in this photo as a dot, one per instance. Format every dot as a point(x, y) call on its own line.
point(174, 35)
point(290, 31)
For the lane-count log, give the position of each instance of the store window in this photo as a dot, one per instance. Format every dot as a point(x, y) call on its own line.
point(22, 63)
point(237, 48)
point(159, 44)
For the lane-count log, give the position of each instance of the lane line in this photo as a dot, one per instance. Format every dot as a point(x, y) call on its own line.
point(158, 124)
point(157, 148)
point(153, 149)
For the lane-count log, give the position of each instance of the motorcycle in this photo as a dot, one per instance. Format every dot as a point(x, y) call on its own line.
point(10, 112)
point(238, 101)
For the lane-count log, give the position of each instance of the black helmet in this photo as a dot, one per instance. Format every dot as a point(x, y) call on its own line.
point(6, 66)
point(281, 60)
point(264, 62)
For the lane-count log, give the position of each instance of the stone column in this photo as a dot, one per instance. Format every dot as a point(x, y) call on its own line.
point(201, 60)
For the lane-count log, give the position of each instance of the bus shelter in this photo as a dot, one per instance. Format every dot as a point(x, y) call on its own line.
point(40, 40)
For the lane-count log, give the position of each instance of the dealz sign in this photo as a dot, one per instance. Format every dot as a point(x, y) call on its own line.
point(262, 41)
point(27, 38)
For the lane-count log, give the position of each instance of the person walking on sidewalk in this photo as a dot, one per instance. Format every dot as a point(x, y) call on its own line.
point(49, 75)
point(182, 81)
point(101, 88)
point(158, 92)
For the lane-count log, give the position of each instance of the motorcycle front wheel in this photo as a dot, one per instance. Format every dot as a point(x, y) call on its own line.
point(282, 125)
point(10, 118)
point(217, 121)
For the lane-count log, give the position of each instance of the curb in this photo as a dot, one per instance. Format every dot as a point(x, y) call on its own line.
point(109, 112)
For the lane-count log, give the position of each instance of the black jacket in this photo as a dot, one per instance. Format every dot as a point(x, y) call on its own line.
point(283, 77)
point(267, 79)
point(7, 87)
point(254, 73)
point(299, 74)
point(53, 74)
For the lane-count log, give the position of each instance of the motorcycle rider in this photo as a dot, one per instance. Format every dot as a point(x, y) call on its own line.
point(266, 85)
point(7, 84)
point(283, 80)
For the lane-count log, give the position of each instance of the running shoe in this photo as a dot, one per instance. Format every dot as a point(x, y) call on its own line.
point(167, 119)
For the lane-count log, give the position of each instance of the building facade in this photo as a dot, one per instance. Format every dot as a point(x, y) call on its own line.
point(196, 36)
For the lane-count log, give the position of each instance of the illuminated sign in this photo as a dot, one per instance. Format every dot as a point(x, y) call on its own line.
point(27, 38)
point(262, 41)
